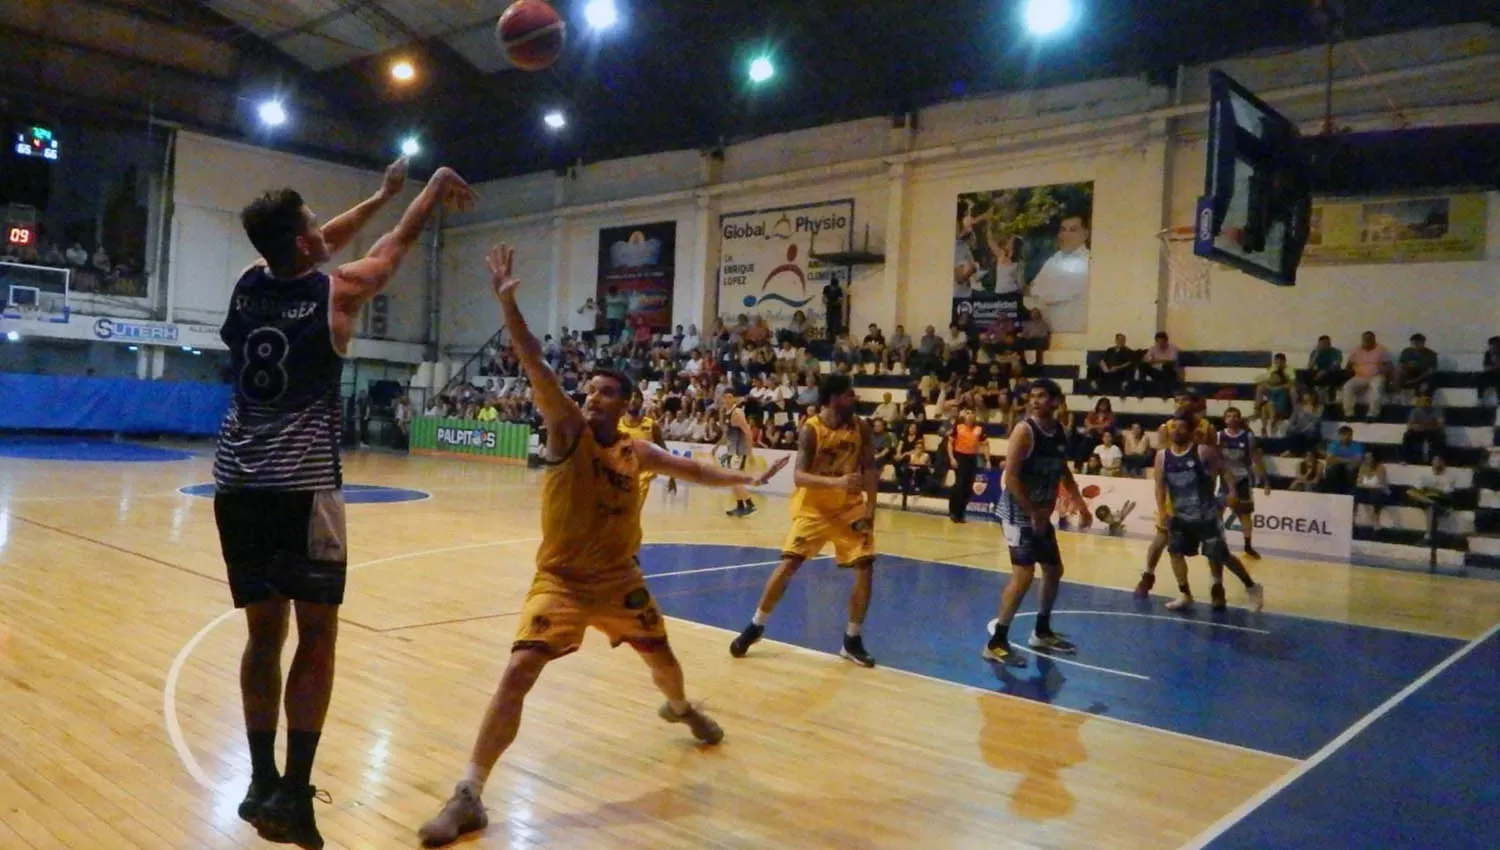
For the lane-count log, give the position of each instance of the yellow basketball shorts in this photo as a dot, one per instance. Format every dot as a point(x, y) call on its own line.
point(811, 532)
point(558, 611)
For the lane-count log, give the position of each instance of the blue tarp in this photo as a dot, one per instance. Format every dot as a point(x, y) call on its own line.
point(122, 405)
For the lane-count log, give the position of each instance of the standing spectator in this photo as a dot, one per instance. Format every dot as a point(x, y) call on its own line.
point(1489, 379)
point(1369, 367)
point(588, 319)
point(1416, 367)
point(965, 448)
point(1114, 373)
point(1425, 435)
point(1325, 369)
point(1159, 368)
point(1344, 458)
point(833, 303)
point(616, 308)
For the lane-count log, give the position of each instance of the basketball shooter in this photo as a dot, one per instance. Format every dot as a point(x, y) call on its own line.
point(587, 568)
point(638, 426)
point(1036, 467)
point(739, 440)
point(1247, 466)
point(278, 501)
point(1185, 475)
point(1189, 406)
point(837, 482)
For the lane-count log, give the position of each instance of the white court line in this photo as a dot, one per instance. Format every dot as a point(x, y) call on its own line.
point(1183, 620)
point(990, 627)
point(169, 688)
point(1224, 824)
point(986, 691)
point(722, 569)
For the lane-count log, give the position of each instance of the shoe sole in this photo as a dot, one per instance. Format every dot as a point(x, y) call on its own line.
point(1053, 650)
point(850, 657)
point(734, 645)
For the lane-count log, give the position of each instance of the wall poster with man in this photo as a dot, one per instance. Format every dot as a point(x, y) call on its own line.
point(1023, 249)
point(637, 268)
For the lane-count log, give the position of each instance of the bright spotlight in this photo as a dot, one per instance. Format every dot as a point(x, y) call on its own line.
point(761, 70)
point(555, 120)
point(403, 71)
point(410, 147)
point(601, 14)
point(1046, 17)
point(272, 114)
point(13, 336)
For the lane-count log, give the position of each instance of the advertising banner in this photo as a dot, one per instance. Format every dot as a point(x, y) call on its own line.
point(639, 263)
point(765, 260)
point(503, 442)
point(1021, 249)
point(1397, 230)
point(1294, 522)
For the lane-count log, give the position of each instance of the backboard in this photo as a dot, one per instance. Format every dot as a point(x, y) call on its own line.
point(1256, 205)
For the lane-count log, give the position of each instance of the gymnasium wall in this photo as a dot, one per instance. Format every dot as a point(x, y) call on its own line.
point(214, 179)
point(1139, 144)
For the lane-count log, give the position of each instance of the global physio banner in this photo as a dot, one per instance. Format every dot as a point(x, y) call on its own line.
point(765, 260)
point(502, 442)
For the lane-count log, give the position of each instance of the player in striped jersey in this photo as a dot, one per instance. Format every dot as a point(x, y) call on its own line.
point(278, 502)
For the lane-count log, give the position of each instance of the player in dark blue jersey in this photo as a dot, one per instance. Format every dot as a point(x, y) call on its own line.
point(1036, 466)
point(1247, 466)
point(278, 502)
point(1186, 474)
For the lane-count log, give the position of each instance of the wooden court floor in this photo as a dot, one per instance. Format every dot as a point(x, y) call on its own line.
point(120, 722)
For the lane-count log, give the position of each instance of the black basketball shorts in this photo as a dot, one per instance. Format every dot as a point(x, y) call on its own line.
point(281, 543)
point(1187, 537)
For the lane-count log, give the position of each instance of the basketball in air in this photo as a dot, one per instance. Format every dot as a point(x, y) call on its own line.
point(531, 35)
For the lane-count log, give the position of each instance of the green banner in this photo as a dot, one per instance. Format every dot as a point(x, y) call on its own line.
point(501, 441)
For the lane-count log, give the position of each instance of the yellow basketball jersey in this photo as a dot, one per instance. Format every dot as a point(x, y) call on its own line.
point(591, 510)
point(644, 431)
point(838, 453)
point(1204, 434)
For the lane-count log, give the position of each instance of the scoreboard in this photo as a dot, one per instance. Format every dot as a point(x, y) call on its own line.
point(36, 142)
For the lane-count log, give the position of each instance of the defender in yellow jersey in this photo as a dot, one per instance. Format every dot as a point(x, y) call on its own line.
point(635, 424)
point(587, 568)
point(1190, 408)
point(837, 481)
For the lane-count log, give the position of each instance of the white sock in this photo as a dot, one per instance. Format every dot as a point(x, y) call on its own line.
point(852, 630)
point(477, 775)
point(759, 619)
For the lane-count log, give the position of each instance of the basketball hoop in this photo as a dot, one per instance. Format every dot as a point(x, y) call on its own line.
point(1188, 273)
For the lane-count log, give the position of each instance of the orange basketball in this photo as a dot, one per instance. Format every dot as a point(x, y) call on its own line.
point(531, 34)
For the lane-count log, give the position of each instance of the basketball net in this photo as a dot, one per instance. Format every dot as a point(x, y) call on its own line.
point(1188, 273)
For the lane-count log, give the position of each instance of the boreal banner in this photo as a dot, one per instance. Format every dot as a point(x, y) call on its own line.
point(1023, 249)
point(765, 260)
point(638, 263)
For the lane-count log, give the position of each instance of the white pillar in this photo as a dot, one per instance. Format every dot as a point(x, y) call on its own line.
point(557, 303)
point(158, 361)
point(705, 266)
point(143, 362)
point(895, 242)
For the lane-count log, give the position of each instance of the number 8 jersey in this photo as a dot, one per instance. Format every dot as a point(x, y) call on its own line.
point(282, 430)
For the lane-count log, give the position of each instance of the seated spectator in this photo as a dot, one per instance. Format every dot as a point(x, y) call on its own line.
point(1309, 471)
point(1110, 457)
point(1136, 450)
point(1093, 466)
point(1035, 335)
point(796, 331)
point(1273, 395)
point(1325, 370)
point(884, 443)
point(1489, 379)
point(1115, 371)
point(1100, 421)
point(899, 348)
point(1304, 429)
point(1435, 493)
point(1371, 487)
point(872, 350)
point(930, 352)
point(690, 340)
point(1425, 435)
point(1416, 367)
point(1344, 458)
point(1369, 368)
point(887, 411)
point(843, 351)
point(912, 461)
point(1159, 372)
point(77, 256)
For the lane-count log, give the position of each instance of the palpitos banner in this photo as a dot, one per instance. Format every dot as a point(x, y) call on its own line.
point(765, 260)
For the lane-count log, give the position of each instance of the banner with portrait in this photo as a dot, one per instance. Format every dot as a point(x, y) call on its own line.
point(1024, 249)
point(1397, 230)
point(639, 263)
point(765, 260)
